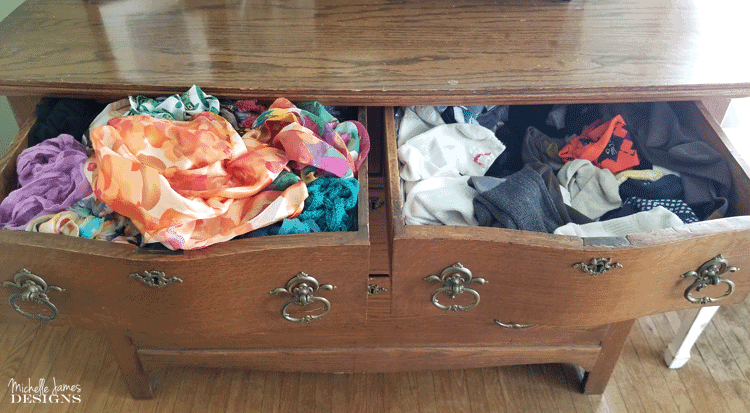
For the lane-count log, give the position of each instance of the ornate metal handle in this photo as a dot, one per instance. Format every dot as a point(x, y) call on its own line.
point(513, 325)
point(708, 274)
point(454, 280)
point(597, 266)
point(156, 279)
point(302, 287)
point(35, 289)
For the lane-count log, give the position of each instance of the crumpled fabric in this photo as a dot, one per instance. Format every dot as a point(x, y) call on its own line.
point(538, 147)
point(88, 218)
point(491, 117)
point(241, 114)
point(176, 107)
point(665, 141)
point(666, 187)
point(288, 226)
point(189, 184)
point(51, 178)
point(449, 151)
point(634, 205)
point(645, 221)
point(332, 204)
point(606, 144)
point(639, 174)
point(56, 116)
point(416, 120)
point(593, 191)
point(313, 138)
point(521, 202)
point(441, 201)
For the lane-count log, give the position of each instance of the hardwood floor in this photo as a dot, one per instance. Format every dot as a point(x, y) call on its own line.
point(716, 379)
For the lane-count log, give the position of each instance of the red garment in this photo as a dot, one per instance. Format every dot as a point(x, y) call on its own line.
point(607, 145)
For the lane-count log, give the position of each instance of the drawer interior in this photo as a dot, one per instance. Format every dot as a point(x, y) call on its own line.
point(9, 182)
point(218, 283)
point(692, 114)
point(539, 278)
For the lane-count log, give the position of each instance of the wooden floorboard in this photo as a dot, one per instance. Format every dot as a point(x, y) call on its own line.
point(717, 378)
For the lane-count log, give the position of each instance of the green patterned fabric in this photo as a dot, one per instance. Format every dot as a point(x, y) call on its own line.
point(283, 181)
point(175, 107)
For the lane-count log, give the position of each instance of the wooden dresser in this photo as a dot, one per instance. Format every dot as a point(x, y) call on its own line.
point(536, 305)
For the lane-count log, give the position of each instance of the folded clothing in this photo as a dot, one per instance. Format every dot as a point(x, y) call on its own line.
point(646, 221)
point(51, 178)
point(593, 190)
point(521, 202)
point(634, 205)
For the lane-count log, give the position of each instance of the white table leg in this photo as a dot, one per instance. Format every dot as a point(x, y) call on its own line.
point(692, 323)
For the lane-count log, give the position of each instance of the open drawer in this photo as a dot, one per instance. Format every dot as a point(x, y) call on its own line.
point(544, 279)
point(224, 289)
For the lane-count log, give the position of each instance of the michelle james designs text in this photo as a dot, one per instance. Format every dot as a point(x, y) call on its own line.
point(43, 392)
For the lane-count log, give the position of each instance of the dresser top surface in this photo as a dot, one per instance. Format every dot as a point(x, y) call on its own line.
point(378, 51)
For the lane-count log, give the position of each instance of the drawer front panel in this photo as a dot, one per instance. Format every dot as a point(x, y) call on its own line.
point(394, 331)
point(527, 284)
point(228, 293)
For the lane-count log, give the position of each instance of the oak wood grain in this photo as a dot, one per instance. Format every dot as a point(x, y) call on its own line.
point(8, 174)
point(382, 359)
point(23, 108)
point(379, 52)
point(125, 352)
point(353, 393)
point(596, 379)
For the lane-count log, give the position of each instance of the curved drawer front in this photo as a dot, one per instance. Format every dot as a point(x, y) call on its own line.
point(522, 278)
point(231, 287)
point(110, 286)
point(543, 284)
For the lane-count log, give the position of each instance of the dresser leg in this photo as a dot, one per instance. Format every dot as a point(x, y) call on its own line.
point(692, 323)
point(125, 353)
point(595, 380)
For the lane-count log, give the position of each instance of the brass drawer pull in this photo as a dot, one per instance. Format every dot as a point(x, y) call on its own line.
point(156, 279)
point(302, 287)
point(597, 266)
point(708, 274)
point(35, 289)
point(454, 280)
point(513, 326)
